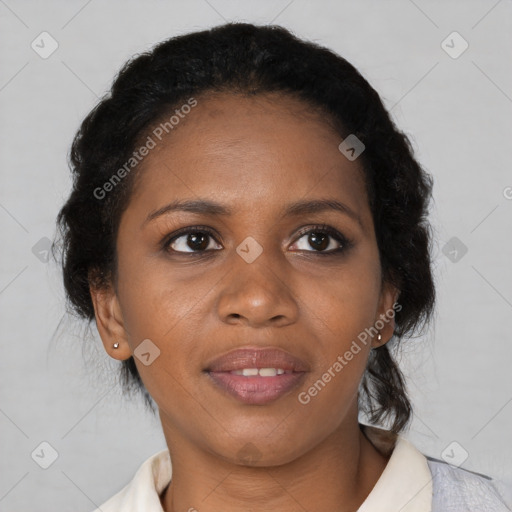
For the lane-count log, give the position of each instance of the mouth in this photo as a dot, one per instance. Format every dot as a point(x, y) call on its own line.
point(257, 376)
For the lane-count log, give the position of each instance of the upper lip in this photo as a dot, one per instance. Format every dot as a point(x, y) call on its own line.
point(257, 357)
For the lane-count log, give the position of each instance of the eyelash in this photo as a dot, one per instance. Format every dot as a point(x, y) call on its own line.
point(319, 228)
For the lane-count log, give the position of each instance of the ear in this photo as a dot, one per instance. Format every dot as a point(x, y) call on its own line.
point(388, 306)
point(109, 321)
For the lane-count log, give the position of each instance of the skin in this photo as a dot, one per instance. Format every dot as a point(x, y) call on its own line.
point(254, 155)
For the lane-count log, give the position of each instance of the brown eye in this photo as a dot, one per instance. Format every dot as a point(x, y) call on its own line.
point(191, 240)
point(323, 239)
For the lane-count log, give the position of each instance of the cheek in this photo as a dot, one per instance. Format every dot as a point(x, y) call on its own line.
point(156, 298)
point(158, 306)
point(341, 323)
point(331, 390)
point(343, 312)
point(346, 303)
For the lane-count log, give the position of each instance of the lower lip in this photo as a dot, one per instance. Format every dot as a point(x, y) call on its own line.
point(256, 390)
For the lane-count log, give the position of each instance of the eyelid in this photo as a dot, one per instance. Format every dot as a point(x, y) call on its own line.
point(319, 227)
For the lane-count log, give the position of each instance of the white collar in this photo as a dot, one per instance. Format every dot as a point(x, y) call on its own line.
point(405, 485)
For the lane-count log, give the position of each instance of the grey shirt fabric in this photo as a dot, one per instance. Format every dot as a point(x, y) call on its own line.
point(459, 490)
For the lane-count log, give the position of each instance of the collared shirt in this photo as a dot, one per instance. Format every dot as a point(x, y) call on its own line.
point(410, 482)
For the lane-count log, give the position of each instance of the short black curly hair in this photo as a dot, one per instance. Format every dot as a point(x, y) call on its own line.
point(243, 58)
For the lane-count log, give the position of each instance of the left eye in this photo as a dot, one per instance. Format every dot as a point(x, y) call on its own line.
point(318, 237)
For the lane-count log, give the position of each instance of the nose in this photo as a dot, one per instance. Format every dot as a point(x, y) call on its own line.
point(258, 294)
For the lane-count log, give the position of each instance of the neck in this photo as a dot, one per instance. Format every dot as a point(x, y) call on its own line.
point(338, 474)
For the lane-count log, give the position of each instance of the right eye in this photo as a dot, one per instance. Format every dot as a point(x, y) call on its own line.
point(196, 239)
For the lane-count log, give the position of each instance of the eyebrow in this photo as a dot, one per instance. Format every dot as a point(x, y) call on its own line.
point(208, 207)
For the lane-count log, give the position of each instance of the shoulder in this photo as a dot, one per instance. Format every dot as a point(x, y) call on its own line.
point(459, 490)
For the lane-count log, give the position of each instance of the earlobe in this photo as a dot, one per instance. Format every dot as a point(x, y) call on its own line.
point(109, 322)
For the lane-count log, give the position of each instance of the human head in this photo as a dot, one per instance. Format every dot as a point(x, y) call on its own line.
point(252, 61)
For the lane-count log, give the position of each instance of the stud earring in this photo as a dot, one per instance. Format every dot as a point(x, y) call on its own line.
point(379, 337)
point(116, 345)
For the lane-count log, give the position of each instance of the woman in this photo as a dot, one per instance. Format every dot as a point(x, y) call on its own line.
point(248, 230)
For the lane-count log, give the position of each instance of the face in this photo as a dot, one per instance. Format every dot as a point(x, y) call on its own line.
point(198, 285)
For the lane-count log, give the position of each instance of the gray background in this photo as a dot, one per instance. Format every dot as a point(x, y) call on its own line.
point(458, 114)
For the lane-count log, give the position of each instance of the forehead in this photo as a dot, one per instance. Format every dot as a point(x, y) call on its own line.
point(253, 153)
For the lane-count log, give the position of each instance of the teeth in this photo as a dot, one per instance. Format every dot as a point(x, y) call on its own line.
point(262, 372)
